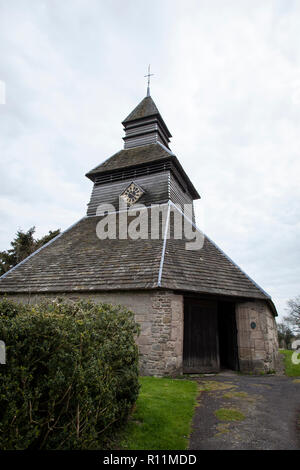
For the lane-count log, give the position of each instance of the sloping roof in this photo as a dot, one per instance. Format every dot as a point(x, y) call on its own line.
point(131, 157)
point(207, 271)
point(145, 108)
point(144, 111)
point(78, 261)
point(143, 155)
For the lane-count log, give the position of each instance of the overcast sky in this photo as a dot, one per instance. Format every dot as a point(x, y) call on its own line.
point(227, 83)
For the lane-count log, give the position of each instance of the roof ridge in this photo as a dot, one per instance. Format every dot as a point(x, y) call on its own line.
point(223, 253)
point(166, 149)
point(162, 259)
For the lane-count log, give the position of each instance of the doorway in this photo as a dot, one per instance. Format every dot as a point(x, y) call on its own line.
point(210, 336)
point(227, 332)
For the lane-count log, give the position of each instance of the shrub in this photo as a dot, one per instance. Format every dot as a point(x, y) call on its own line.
point(11, 309)
point(71, 374)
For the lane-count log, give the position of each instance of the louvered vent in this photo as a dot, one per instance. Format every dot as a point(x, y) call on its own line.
point(133, 172)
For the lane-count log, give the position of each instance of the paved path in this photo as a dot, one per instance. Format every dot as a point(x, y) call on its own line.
point(270, 406)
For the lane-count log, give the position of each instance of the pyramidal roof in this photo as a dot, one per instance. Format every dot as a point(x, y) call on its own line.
point(131, 157)
point(144, 125)
point(76, 260)
point(145, 108)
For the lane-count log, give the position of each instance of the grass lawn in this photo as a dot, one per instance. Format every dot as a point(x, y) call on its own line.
point(163, 415)
point(292, 370)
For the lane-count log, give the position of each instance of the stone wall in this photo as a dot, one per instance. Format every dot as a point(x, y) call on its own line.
point(160, 315)
point(258, 347)
point(165, 353)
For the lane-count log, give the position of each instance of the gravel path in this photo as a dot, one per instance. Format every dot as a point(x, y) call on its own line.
point(269, 407)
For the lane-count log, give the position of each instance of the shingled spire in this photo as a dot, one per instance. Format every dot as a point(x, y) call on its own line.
point(144, 125)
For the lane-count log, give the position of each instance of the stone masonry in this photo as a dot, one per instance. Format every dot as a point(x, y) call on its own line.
point(258, 347)
point(160, 316)
point(165, 341)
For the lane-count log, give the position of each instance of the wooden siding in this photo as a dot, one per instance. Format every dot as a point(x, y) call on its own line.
point(144, 139)
point(140, 133)
point(159, 188)
point(178, 194)
point(155, 187)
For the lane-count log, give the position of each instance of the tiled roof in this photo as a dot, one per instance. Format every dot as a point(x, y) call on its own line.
point(78, 261)
point(145, 108)
point(143, 155)
point(207, 271)
point(131, 157)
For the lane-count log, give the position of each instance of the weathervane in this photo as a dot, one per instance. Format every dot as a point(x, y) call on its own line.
point(148, 75)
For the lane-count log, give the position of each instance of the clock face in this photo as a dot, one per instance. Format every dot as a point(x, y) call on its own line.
point(132, 194)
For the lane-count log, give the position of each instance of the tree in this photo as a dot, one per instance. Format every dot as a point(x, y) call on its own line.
point(23, 245)
point(285, 335)
point(293, 318)
point(46, 238)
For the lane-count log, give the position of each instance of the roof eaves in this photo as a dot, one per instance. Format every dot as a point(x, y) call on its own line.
point(93, 171)
point(115, 170)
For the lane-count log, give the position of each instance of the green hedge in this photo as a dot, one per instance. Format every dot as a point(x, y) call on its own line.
point(71, 374)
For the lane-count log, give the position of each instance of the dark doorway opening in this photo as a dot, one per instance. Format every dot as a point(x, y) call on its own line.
point(227, 333)
point(210, 336)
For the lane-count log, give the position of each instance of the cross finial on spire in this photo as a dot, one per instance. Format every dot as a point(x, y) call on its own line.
point(148, 75)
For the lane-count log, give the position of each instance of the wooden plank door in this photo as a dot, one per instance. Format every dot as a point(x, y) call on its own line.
point(201, 344)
